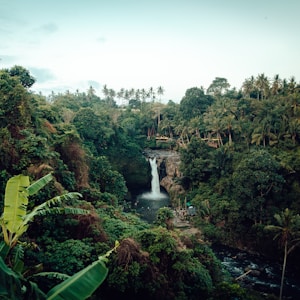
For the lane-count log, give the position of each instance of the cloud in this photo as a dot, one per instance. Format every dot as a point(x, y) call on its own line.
point(42, 74)
point(7, 59)
point(101, 39)
point(48, 28)
point(94, 84)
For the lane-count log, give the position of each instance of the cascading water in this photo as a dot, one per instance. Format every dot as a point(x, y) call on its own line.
point(150, 202)
point(155, 187)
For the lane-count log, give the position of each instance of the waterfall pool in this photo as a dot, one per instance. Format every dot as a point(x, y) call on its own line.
point(148, 203)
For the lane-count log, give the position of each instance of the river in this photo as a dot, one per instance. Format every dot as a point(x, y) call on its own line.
point(265, 275)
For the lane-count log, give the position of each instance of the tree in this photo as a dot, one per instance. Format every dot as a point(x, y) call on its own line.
point(196, 161)
point(15, 103)
point(23, 75)
point(218, 86)
point(288, 234)
point(263, 86)
point(255, 177)
point(221, 117)
point(194, 103)
point(276, 85)
point(160, 92)
point(248, 87)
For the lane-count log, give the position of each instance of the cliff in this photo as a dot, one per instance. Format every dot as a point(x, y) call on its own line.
point(168, 163)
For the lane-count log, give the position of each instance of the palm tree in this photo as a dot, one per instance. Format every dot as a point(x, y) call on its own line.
point(288, 233)
point(276, 85)
point(143, 96)
point(120, 94)
point(105, 90)
point(160, 92)
point(262, 85)
point(292, 85)
point(248, 87)
point(151, 93)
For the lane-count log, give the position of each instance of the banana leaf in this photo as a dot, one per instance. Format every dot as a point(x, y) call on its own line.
point(14, 286)
point(4, 249)
point(39, 184)
point(15, 202)
point(81, 285)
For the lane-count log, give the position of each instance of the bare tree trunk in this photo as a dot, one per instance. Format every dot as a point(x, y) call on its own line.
point(283, 269)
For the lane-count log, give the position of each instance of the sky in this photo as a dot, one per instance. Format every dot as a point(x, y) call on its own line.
point(177, 44)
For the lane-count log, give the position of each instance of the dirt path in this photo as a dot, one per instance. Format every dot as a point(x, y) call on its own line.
point(180, 222)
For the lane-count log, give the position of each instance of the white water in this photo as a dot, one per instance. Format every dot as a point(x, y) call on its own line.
point(155, 193)
point(155, 187)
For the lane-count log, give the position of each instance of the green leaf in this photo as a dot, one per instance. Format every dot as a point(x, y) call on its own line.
point(39, 184)
point(81, 285)
point(4, 249)
point(15, 202)
point(51, 275)
point(45, 207)
point(18, 257)
point(10, 283)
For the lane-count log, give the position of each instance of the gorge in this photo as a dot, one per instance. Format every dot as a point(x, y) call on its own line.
point(264, 274)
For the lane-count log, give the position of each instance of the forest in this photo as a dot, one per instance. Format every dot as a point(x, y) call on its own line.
point(70, 163)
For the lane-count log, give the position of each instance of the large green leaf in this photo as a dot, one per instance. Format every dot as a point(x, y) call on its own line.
point(81, 285)
point(39, 184)
point(15, 202)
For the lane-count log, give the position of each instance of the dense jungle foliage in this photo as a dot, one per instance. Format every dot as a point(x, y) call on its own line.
point(240, 160)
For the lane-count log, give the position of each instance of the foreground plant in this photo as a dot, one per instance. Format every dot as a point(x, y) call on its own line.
point(15, 221)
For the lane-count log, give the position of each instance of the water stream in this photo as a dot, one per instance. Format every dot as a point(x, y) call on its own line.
point(264, 276)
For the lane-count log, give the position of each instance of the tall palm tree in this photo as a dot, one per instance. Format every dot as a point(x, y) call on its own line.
point(248, 87)
point(120, 94)
point(276, 85)
point(292, 85)
point(105, 90)
point(263, 86)
point(143, 96)
point(288, 233)
point(160, 92)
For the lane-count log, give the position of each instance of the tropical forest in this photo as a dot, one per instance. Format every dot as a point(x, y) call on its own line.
point(72, 165)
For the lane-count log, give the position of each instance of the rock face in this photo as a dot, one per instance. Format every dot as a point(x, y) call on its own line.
point(168, 167)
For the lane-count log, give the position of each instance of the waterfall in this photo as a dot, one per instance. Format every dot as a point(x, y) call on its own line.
point(148, 203)
point(155, 187)
point(155, 193)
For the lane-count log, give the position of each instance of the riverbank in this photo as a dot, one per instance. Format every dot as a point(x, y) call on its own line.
point(262, 275)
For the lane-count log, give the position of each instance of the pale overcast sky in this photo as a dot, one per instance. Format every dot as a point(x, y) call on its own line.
point(176, 44)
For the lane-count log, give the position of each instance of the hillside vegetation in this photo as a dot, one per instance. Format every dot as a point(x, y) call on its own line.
point(240, 160)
